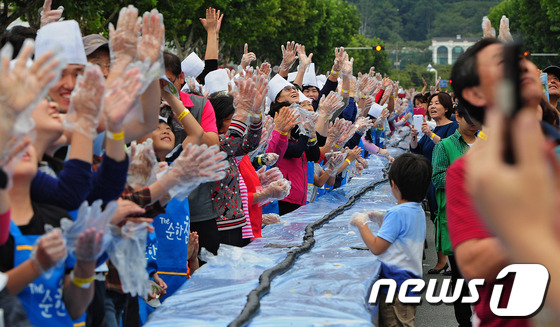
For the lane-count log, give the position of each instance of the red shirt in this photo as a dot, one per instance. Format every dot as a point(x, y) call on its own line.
point(252, 182)
point(464, 223)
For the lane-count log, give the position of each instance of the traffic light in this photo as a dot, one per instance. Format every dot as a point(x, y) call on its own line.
point(379, 47)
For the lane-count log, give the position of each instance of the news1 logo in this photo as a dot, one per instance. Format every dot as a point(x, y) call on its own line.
point(526, 298)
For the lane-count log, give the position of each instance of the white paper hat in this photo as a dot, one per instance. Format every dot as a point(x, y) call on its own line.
point(303, 98)
point(275, 86)
point(375, 110)
point(216, 81)
point(321, 80)
point(64, 35)
point(192, 65)
point(309, 78)
point(292, 77)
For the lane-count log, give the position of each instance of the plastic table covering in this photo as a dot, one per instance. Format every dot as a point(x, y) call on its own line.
point(329, 285)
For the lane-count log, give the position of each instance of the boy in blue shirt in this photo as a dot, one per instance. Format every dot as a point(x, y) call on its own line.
point(400, 240)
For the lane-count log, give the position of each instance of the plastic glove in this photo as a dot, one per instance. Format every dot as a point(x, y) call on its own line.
point(143, 165)
point(285, 119)
point(359, 168)
point(487, 29)
point(261, 86)
point(85, 105)
point(266, 177)
point(288, 55)
point(328, 105)
point(244, 98)
point(363, 162)
point(347, 66)
point(505, 34)
point(24, 86)
point(50, 16)
point(123, 41)
point(266, 134)
point(195, 165)
point(119, 98)
point(359, 219)
point(270, 219)
point(267, 159)
point(333, 164)
point(127, 253)
point(264, 70)
point(304, 60)
point(336, 129)
point(49, 250)
point(344, 136)
point(276, 190)
point(308, 120)
point(84, 245)
point(152, 42)
point(89, 245)
point(248, 57)
point(338, 59)
point(376, 216)
point(363, 124)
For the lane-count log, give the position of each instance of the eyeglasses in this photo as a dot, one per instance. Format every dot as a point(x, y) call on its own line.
point(102, 64)
point(289, 88)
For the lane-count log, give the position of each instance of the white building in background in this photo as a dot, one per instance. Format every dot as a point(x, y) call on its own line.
point(446, 50)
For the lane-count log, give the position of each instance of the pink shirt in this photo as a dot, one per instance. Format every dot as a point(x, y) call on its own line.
point(208, 118)
point(4, 226)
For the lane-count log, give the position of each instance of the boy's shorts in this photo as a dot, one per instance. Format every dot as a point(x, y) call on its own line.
point(396, 313)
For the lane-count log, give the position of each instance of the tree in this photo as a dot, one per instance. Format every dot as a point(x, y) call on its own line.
point(364, 59)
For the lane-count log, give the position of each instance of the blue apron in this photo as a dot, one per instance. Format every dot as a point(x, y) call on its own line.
point(172, 233)
point(42, 299)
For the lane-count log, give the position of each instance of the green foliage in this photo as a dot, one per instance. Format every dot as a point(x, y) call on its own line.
point(411, 76)
point(364, 59)
point(536, 22)
point(416, 20)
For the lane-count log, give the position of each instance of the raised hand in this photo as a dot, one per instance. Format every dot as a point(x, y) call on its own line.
point(329, 104)
point(333, 164)
point(347, 66)
point(261, 88)
point(285, 119)
point(244, 98)
point(212, 20)
point(363, 124)
point(119, 98)
point(123, 41)
point(487, 29)
point(338, 59)
point(248, 57)
point(304, 60)
point(264, 70)
point(153, 33)
point(505, 34)
point(50, 16)
point(142, 163)
point(288, 55)
point(85, 105)
point(22, 86)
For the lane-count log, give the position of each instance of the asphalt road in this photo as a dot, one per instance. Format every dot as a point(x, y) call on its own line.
point(431, 315)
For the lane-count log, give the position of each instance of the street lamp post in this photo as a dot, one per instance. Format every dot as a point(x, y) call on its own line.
point(432, 69)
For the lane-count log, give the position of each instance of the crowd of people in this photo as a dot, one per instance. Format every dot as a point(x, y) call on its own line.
point(121, 162)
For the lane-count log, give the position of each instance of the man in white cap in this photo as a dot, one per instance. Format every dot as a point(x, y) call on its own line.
point(65, 35)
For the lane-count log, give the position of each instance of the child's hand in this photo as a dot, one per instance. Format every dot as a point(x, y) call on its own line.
point(376, 216)
point(359, 219)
